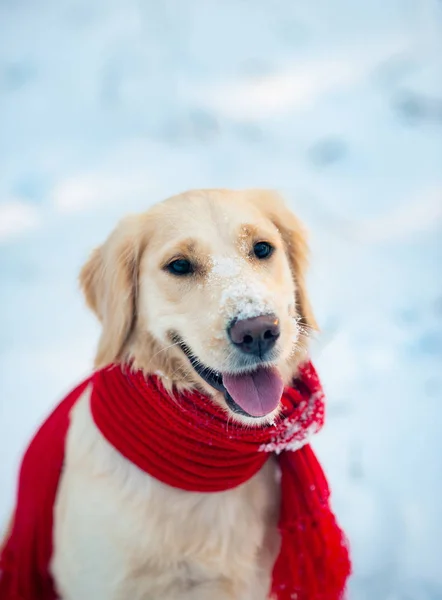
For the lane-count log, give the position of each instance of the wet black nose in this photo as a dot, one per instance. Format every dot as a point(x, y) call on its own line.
point(255, 336)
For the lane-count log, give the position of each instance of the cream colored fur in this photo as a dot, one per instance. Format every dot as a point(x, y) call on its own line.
point(122, 535)
point(119, 534)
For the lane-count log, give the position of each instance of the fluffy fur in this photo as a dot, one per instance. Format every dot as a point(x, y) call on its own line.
point(119, 534)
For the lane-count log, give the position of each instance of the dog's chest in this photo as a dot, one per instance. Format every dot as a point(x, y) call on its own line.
point(118, 531)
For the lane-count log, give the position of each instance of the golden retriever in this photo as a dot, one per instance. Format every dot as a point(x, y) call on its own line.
point(203, 288)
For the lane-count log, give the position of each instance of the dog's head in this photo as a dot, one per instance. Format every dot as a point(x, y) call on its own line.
point(207, 289)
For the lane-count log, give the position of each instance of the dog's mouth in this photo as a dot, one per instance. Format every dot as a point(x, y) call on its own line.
point(253, 394)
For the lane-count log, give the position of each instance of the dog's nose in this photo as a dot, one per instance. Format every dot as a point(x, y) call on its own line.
point(255, 336)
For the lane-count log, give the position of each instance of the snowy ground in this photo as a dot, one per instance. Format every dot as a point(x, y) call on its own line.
point(108, 106)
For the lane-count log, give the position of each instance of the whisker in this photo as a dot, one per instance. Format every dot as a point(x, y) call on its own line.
point(162, 350)
point(204, 368)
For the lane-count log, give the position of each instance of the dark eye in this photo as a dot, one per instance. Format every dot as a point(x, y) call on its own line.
point(262, 250)
point(180, 266)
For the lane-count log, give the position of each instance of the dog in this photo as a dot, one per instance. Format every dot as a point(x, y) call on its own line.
point(206, 285)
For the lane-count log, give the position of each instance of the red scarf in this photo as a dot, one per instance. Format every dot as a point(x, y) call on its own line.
point(187, 442)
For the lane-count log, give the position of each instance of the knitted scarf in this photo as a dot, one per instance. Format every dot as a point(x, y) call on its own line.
point(189, 443)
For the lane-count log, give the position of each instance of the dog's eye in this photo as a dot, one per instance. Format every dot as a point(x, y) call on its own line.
point(262, 250)
point(181, 266)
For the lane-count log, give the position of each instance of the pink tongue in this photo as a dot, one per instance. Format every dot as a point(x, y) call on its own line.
point(257, 393)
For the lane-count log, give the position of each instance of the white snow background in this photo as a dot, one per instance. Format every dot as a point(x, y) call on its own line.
point(107, 106)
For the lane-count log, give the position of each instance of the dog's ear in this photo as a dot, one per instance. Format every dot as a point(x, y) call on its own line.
point(109, 280)
point(294, 237)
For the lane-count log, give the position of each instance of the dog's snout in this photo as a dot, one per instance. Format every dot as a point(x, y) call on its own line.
point(256, 335)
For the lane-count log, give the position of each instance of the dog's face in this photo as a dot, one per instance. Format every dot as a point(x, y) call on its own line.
point(207, 288)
